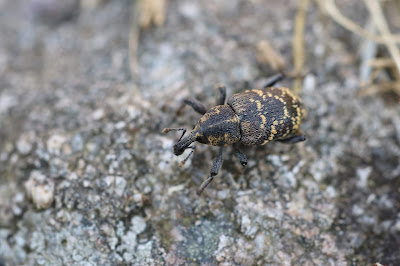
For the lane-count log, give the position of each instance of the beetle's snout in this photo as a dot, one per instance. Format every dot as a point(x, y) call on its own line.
point(178, 150)
point(184, 143)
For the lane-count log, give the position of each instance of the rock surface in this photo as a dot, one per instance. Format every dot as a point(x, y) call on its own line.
point(75, 125)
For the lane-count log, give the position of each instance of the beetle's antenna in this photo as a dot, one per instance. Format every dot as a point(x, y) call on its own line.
point(187, 157)
point(166, 130)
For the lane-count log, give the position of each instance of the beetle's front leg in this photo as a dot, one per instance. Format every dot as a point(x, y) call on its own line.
point(196, 105)
point(166, 130)
point(222, 96)
point(241, 157)
point(217, 163)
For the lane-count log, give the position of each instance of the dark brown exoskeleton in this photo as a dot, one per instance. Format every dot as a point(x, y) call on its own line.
point(253, 117)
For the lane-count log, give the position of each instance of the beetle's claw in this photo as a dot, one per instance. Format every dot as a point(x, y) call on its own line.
point(182, 163)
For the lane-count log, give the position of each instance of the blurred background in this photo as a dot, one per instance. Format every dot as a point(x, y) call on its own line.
point(87, 177)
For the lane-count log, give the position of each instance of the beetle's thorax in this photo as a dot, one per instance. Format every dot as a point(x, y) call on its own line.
point(218, 127)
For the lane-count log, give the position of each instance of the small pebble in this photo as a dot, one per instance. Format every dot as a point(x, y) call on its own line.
point(40, 189)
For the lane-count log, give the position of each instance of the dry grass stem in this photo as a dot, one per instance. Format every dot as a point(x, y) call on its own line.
point(375, 73)
point(144, 13)
point(151, 12)
point(385, 37)
point(134, 39)
point(381, 87)
point(330, 7)
point(376, 12)
point(298, 44)
point(378, 65)
point(381, 62)
point(265, 54)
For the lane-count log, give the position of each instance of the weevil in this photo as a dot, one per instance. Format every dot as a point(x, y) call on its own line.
point(252, 117)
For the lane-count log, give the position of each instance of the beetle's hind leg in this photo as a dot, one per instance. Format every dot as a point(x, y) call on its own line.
point(274, 79)
point(222, 96)
point(196, 105)
point(217, 163)
point(293, 139)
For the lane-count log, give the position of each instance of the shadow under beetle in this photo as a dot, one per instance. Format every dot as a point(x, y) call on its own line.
point(253, 117)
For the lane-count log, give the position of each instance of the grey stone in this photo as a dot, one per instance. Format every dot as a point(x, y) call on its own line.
point(87, 177)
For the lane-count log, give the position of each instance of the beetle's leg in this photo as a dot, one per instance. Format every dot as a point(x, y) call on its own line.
point(293, 139)
point(196, 105)
point(222, 96)
point(217, 163)
point(166, 130)
point(274, 79)
point(187, 157)
point(241, 157)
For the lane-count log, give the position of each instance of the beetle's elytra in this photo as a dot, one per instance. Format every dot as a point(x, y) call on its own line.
point(253, 117)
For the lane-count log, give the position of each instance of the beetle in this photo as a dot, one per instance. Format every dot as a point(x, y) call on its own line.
point(252, 117)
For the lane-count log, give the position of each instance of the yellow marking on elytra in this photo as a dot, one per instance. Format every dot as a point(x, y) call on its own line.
point(269, 95)
point(298, 111)
point(286, 112)
point(264, 120)
point(287, 92)
point(252, 100)
point(259, 92)
point(265, 142)
point(259, 105)
point(273, 130)
point(273, 133)
point(275, 122)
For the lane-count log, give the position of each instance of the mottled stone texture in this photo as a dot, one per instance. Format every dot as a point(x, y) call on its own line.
point(75, 126)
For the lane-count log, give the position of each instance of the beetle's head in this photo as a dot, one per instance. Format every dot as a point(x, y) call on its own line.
point(184, 142)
